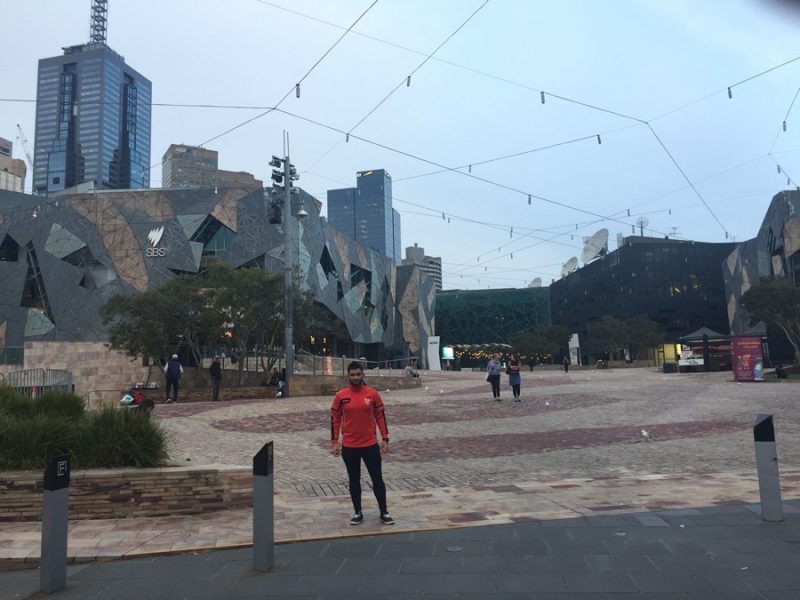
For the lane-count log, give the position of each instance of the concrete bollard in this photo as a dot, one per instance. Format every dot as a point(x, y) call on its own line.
point(769, 481)
point(263, 510)
point(55, 520)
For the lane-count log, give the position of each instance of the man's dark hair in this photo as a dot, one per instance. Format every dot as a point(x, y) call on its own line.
point(354, 365)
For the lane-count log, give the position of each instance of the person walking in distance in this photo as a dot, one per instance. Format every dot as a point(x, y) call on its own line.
point(172, 373)
point(493, 376)
point(566, 363)
point(514, 376)
point(356, 412)
point(215, 370)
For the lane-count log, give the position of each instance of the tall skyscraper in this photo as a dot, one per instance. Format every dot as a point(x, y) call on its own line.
point(365, 213)
point(92, 118)
point(432, 265)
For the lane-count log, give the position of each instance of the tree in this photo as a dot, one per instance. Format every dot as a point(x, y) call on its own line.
point(609, 333)
point(545, 339)
point(153, 323)
point(776, 302)
point(251, 304)
point(641, 333)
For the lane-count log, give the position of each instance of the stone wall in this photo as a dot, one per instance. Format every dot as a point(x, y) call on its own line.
point(120, 493)
point(96, 370)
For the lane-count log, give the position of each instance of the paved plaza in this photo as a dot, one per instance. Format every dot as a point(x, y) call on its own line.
point(571, 452)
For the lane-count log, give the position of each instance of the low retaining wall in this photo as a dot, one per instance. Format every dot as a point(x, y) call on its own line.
point(120, 493)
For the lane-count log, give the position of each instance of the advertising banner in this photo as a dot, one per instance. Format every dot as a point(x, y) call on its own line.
point(748, 361)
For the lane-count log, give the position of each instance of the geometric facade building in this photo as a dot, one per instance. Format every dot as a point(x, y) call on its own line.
point(774, 252)
point(432, 265)
point(92, 122)
point(62, 258)
point(676, 283)
point(365, 213)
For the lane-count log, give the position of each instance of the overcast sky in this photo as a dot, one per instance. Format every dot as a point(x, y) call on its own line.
point(649, 77)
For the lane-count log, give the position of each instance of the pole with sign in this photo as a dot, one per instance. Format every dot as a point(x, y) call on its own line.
point(55, 519)
point(263, 509)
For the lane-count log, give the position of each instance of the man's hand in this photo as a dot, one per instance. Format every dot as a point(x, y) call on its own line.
point(336, 450)
point(384, 447)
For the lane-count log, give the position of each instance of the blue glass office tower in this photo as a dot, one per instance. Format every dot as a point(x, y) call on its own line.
point(365, 213)
point(92, 122)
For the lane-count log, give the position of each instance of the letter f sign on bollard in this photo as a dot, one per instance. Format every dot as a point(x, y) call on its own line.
point(263, 510)
point(55, 519)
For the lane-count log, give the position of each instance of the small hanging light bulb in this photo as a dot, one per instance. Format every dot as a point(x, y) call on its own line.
point(512, 256)
point(730, 93)
point(297, 90)
point(479, 259)
point(347, 138)
point(779, 168)
point(629, 212)
point(669, 211)
point(529, 199)
point(633, 229)
point(443, 217)
point(576, 227)
point(485, 269)
point(511, 232)
point(788, 181)
point(448, 219)
point(408, 81)
point(572, 237)
point(469, 169)
point(726, 235)
point(599, 141)
point(542, 96)
point(784, 125)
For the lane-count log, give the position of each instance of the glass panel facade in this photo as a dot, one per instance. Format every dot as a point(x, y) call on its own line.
point(92, 122)
point(365, 213)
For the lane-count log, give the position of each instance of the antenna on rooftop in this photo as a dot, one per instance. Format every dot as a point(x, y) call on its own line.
point(98, 22)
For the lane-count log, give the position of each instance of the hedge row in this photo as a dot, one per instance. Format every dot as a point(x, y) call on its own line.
point(32, 431)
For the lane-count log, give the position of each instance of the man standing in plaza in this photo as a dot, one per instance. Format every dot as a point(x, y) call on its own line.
point(172, 373)
point(215, 370)
point(356, 412)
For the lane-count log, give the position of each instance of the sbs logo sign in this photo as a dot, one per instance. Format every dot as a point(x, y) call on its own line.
point(154, 237)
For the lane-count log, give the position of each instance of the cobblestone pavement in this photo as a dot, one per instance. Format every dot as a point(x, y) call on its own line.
point(449, 431)
point(573, 447)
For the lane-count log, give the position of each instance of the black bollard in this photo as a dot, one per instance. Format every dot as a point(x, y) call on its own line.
point(55, 519)
point(263, 510)
point(769, 480)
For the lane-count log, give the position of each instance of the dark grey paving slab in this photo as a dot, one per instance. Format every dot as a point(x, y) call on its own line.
point(520, 583)
point(610, 563)
point(522, 547)
point(600, 582)
point(311, 566)
point(652, 521)
point(424, 583)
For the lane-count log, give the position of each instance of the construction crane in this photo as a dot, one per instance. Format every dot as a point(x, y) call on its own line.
point(24, 141)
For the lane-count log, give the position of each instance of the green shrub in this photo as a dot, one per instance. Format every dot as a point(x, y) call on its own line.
point(112, 437)
point(60, 403)
point(14, 403)
point(30, 442)
point(122, 437)
point(53, 403)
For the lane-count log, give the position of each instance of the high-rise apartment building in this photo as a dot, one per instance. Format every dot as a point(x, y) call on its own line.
point(432, 265)
point(195, 167)
point(92, 118)
point(365, 213)
point(12, 170)
point(188, 167)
